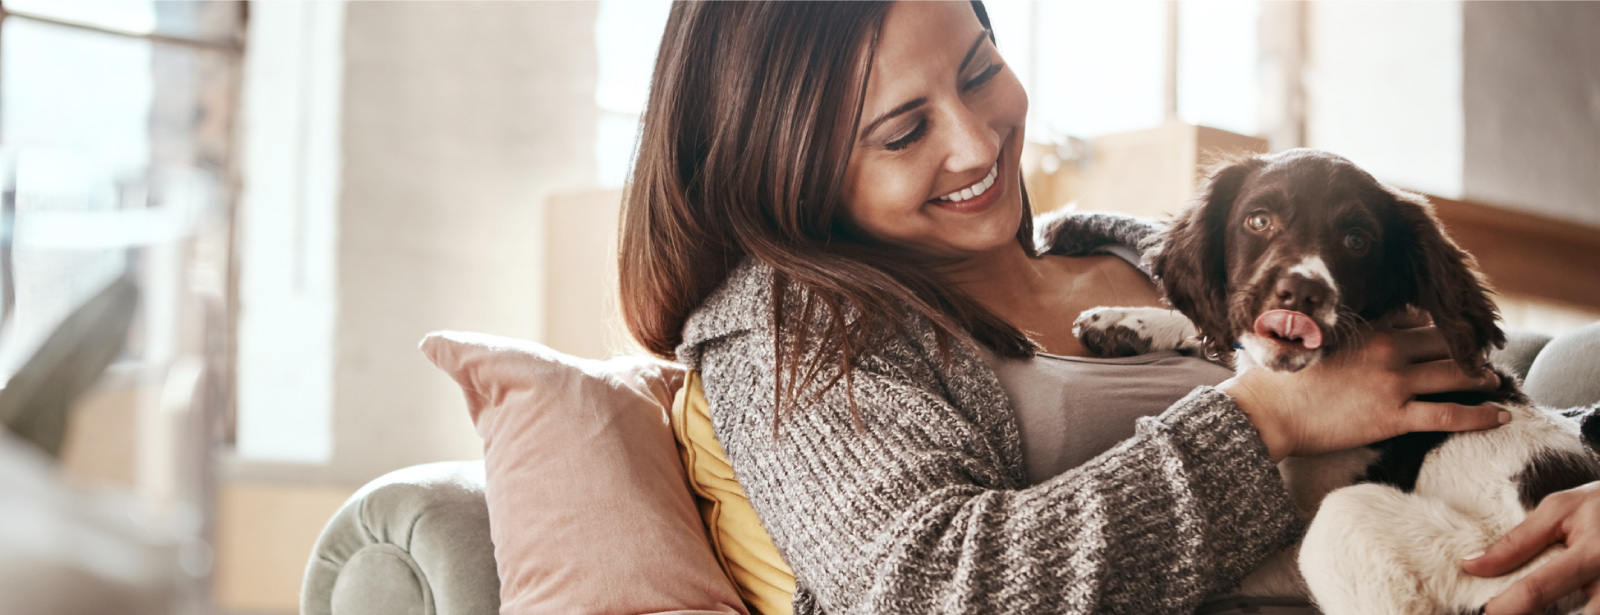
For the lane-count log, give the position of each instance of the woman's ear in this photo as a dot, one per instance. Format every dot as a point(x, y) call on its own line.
point(1189, 259)
point(1446, 281)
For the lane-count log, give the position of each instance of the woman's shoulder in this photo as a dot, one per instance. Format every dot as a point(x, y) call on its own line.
point(742, 303)
point(743, 307)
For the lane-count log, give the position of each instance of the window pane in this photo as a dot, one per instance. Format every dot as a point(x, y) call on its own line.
point(1013, 23)
point(82, 122)
point(191, 109)
point(627, 34)
point(1217, 64)
point(50, 281)
point(93, 93)
point(1100, 67)
point(216, 22)
point(74, 89)
point(205, 20)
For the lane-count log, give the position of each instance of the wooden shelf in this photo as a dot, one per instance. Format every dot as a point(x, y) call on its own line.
point(1527, 254)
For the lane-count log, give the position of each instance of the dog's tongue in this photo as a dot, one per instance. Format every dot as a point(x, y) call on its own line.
point(1290, 326)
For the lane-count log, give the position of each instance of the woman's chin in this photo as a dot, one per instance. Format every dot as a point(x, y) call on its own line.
point(952, 231)
point(984, 238)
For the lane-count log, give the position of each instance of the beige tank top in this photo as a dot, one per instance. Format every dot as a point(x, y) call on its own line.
point(1071, 409)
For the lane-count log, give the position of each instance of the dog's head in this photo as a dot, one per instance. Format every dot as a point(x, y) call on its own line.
point(1285, 255)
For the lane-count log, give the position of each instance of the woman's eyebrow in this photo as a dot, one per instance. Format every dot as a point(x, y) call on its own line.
point(973, 50)
point(912, 104)
point(918, 102)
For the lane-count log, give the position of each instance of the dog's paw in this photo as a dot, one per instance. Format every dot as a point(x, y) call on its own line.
point(1130, 331)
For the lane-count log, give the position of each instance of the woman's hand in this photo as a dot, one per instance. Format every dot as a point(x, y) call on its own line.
point(1571, 517)
point(1365, 395)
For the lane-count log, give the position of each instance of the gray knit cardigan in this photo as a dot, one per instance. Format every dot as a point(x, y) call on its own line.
point(923, 508)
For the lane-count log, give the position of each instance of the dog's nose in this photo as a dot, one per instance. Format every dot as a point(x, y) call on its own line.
point(1299, 293)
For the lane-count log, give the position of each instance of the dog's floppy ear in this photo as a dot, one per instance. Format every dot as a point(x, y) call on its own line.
point(1188, 259)
point(1446, 280)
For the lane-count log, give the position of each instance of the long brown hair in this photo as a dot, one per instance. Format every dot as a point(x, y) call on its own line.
point(751, 119)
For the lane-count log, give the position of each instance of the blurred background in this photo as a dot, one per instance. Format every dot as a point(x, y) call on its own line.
point(362, 173)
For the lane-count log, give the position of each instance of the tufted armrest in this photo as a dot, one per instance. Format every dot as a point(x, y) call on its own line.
point(414, 541)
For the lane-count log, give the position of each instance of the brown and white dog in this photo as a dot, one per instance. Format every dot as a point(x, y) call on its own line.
point(1277, 263)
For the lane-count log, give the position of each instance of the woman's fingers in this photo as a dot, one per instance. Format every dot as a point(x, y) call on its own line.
point(1426, 354)
point(1565, 516)
point(1420, 344)
point(1540, 529)
point(1551, 581)
point(1434, 416)
point(1406, 318)
point(1445, 376)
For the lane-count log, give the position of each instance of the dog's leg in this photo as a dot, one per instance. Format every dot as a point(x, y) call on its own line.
point(1129, 331)
point(1374, 549)
point(1355, 559)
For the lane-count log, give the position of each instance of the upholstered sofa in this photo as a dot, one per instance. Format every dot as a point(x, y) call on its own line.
point(416, 541)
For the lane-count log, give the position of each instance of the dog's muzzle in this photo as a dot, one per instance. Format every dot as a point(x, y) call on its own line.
point(1289, 327)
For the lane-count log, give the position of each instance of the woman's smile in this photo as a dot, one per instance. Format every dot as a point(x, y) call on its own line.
point(975, 189)
point(976, 198)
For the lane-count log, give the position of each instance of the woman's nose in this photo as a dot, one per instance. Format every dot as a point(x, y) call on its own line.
point(974, 144)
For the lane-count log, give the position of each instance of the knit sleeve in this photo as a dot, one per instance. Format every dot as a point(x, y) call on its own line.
point(903, 513)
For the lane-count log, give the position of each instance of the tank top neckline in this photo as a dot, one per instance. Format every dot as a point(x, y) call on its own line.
point(1142, 359)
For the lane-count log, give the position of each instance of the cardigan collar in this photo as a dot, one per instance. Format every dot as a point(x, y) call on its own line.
point(743, 303)
point(744, 300)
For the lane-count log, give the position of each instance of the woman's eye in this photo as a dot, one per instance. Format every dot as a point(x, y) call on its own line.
point(983, 77)
point(1357, 241)
point(911, 137)
point(1258, 222)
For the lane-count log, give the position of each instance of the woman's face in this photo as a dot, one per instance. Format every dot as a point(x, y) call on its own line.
point(935, 163)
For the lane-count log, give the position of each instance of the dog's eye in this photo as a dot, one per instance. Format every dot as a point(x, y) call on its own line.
point(1258, 221)
point(1357, 242)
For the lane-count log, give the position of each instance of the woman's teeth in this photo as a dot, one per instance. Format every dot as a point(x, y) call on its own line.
point(975, 189)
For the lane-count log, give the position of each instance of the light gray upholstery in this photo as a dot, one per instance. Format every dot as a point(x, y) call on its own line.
point(1521, 348)
point(411, 542)
point(416, 541)
point(1566, 373)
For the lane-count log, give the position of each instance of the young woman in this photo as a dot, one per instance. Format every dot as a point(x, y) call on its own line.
point(827, 219)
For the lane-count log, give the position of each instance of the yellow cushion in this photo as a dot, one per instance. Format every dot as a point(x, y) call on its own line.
point(742, 546)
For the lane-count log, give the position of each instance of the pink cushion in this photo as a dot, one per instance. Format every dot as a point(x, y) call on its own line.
point(589, 510)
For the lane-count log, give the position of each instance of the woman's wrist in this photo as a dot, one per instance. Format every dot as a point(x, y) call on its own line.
point(1245, 391)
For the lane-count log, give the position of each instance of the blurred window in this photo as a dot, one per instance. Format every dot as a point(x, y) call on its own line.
point(288, 264)
point(1090, 67)
point(94, 94)
point(1218, 64)
point(129, 83)
point(627, 34)
point(1093, 68)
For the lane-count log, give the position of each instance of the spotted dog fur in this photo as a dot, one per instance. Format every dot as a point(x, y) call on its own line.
point(1310, 234)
